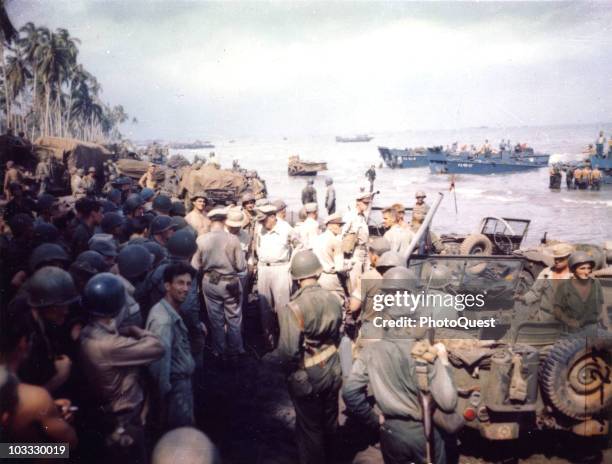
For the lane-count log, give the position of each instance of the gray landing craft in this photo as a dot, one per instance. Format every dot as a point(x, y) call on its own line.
point(604, 164)
point(444, 162)
point(404, 157)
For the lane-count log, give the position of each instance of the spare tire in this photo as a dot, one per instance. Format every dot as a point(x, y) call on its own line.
point(576, 377)
point(476, 244)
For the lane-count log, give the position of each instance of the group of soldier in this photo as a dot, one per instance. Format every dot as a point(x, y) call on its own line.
point(581, 177)
point(110, 304)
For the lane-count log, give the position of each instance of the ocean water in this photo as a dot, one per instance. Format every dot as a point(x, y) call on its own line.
point(577, 216)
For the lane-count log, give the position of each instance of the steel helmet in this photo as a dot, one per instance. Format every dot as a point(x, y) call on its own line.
point(178, 209)
point(44, 202)
point(108, 206)
point(439, 276)
point(104, 295)
point(132, 203)
point(160, 224)
point(178, 222)
point(20, 224)
point(305, 264)
point(45, 233)
point(580, 257)
point(134, 260)
point(399, 278)
point(158, 251)
point(114, 195)
point(247, 197)
point(51, 286)
point(47, 253)
point(105, 246)
point(110, 221)
point(146, 194)
point(390, 259)
point(90, 262)
point(162, 203)
point(182, 244)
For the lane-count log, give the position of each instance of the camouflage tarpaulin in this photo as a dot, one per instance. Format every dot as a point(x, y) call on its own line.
point(210, 177)
point(135, 169)
point(76, 153)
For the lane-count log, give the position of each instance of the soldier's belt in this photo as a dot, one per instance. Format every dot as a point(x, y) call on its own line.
point(211, 275)
point(277, 263)
point(320, 357)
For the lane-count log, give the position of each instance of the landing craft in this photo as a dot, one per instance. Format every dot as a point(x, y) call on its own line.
point(443, 162)
point(404, 157)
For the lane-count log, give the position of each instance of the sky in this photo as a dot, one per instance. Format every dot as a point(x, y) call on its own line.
point(194, 69)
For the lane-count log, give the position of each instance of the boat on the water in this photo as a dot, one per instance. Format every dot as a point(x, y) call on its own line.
point(502, 162)
point(404, 157)
point(298, 167)
point(356, 138)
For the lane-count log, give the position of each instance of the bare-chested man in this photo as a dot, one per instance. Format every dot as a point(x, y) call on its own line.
point(12, 175)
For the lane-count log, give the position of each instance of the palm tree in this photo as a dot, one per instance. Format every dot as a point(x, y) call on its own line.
point(30, 42)
point(7, 35)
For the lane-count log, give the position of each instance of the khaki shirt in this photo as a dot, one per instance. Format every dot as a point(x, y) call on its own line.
point(199, 222)
point(357, 223)
point(219, 251)
point(111, 363)
point(274, 246)
point(543, 291)
point(309, 230)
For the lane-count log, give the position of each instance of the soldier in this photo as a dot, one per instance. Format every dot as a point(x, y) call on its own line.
point(42, 173)
point(569, 178)
point(577, 177)
point(400, 212)
point(111, 359)
point(11, 175)
point(113, 224)
point(578, 301)
point(161, 205)
point(420, 207)
point(371, 176)
point(197, 217)
point(355, 235)
point(148, 179)
point(147, 195)
point(90, 217)
point(596, 177)
point(50, 291)
point(586, 178)
point(309, 337)
point(173, 372)
point(88, 183)
point(330, 196)
point(543, 289)
point(281, 211)
point(399, 238)
point(134, 263)
point(328, 248)
point(221, 260)
point(273, 247)
point(76, 183)
point(234, 223)
point(396, 377)
point(161, 230)
point(599, 145)
point(309, 229)
point(19, 203)
point(309, 193)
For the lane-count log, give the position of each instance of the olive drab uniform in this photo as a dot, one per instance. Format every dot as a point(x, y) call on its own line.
point(543, 293)
point(309, 195)
point(355, 235)
point(395, 375)
point(309, 336)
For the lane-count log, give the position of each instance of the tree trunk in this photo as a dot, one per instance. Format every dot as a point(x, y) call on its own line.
point(6, 92)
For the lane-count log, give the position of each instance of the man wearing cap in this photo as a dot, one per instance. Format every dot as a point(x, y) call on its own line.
point(543, 290)
point(330, 196)
point(355, 235)
point(328, 248)
point(309, 229)
point(148, 179)
point(399, 238)
point(197, 217)
point(234, 223)
point(309, 193)
point(221, 259)
point(420, 207)
point(273, 247)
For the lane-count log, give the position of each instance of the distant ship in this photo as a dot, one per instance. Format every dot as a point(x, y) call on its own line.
point(356, 138)
point(194, 145)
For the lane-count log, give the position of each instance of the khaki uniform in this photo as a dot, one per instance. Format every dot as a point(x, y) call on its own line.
point(199, 221)
point(75, 186)
point(42, 174)
point(88, 184)
point(221, 259)
point(543, 292)
point(399, 239)
point(309, 231)
point(356, 223)
point(328, 248)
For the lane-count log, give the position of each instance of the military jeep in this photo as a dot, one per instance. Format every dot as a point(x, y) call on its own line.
point(520, 375)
